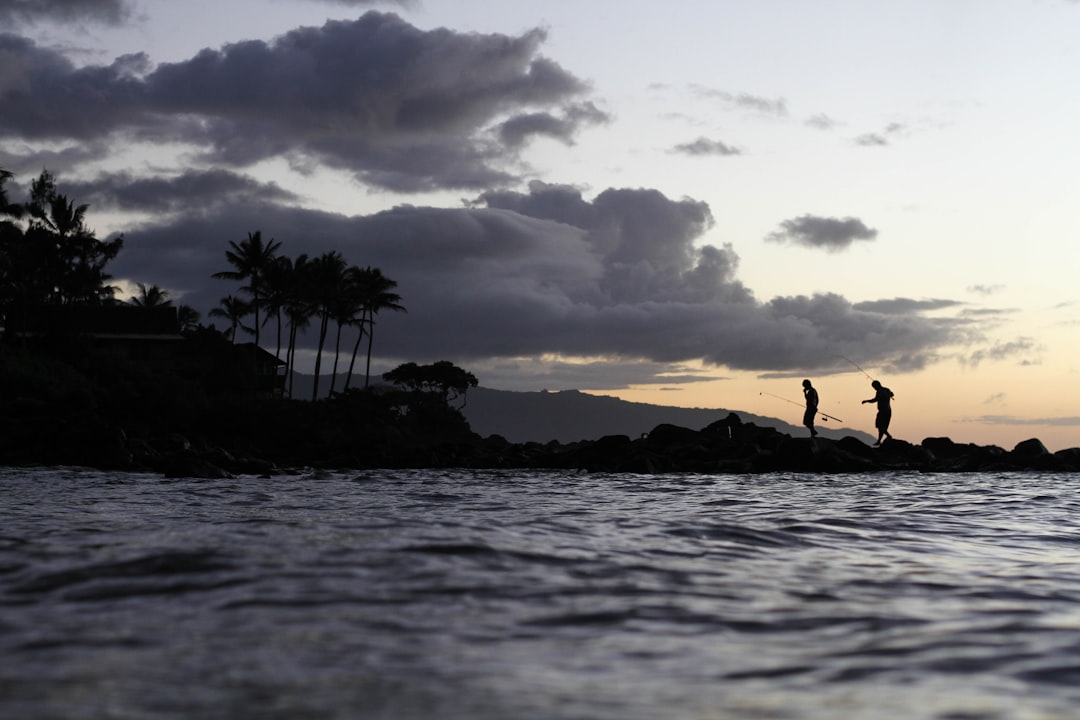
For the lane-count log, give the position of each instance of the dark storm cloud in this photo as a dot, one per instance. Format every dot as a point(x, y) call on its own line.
point(832, 234)
point(547, 272)
point(401, 108)
point(192, 191)
point(109, 12)
point(27, 163)
point(704, 146)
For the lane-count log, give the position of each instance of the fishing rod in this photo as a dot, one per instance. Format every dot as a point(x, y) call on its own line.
point(824, 415)
point(868, 376)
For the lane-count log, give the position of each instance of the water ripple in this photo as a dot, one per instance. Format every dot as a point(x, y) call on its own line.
point(451, 594)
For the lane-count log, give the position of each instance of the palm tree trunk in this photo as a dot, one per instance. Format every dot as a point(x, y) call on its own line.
point(255, 305)
point(277, 354)
point(337, 354)
point(370, 338)
point(323, 325)
point(355, 350)
point(290, 355)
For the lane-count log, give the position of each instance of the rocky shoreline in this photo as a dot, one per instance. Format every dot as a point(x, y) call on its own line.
point(111, 415)
point(727, 446)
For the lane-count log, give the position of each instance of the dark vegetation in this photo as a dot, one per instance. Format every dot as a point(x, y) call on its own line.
point(197, 395)
point(189, 399)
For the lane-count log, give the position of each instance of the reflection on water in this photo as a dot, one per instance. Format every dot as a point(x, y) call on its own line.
point(539, 595)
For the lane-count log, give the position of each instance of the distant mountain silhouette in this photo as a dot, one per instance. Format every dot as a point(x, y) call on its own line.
point(570, 415)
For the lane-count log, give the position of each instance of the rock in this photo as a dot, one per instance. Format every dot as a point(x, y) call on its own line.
point(1030, 449)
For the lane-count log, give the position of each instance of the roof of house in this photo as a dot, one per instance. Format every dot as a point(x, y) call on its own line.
point(115, 321)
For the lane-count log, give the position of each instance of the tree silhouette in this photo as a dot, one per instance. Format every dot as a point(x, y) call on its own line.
point(348, 311)
point(442, 378)
point(327, 284)
point(48, 256)
point(150, 296)
point(277, 282)
point(374, 293)
point(188, 318)
point(296, 306)
point(234, 310)
point(250, 260)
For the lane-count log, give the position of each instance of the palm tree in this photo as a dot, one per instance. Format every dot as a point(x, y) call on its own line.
point(327, 283)
point(348, 310)
point(151, 296)
point(234, 310)
point(296, 306)
point(188, 317)
point(374, 292)
point(68, 261)
point(250, 258)
point(277, 279)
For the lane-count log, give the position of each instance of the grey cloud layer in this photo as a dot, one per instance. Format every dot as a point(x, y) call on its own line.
point(112, 12)
point(549, 271)
point(705, 146)
point(513, 274)
point(403, 109)
point(833, 234)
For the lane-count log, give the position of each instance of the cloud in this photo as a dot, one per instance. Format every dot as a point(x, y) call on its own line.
point(401, 108)
point(516, 131)
point(367, 3)
point(999, 351)
point(821, 121)
point(704, 146)
point(832, 234)
point(904, 306)
point(552, 373)
point(108, 12)
point(775, 107)
point(985, 289)
point(882, 138)
point(1064, 421)
point(26, 161)
point(194, 191)
point(547, 273)
point(871, 140)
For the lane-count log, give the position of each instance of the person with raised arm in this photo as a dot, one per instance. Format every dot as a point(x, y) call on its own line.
point(883, 397)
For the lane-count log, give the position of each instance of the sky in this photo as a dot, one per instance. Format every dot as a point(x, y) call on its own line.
point(693, 203)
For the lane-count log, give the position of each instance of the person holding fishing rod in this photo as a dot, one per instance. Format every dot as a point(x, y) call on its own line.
point(811, 396)
point(883, 397)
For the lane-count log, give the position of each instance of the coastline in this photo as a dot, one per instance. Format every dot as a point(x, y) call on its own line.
point(726, 446)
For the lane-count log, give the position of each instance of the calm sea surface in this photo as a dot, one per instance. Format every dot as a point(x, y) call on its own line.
point(539, 595)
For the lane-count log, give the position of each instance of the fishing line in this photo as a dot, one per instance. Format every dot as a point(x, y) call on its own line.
point(778, 397)
point(868, 376)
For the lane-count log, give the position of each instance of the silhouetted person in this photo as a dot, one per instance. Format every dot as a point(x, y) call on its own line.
point(811, 396)
point(883, 397)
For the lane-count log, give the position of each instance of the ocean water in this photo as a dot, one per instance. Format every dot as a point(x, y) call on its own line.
point(539, 595)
